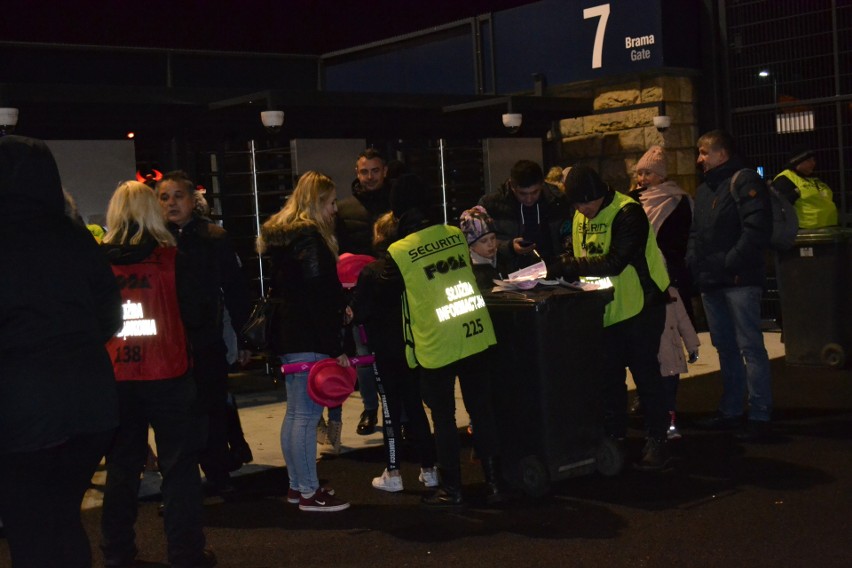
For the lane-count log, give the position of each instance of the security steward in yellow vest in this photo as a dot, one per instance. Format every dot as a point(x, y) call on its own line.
point(448, 333)
point(810, 196)
point(612, 240)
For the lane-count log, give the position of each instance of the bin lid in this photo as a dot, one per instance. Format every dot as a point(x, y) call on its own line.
point(542, 294)
point(823, 235)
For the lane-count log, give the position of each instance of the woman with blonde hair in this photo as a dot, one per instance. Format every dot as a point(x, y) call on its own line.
point(310, 312)
point(154, 380)
point(134, 216)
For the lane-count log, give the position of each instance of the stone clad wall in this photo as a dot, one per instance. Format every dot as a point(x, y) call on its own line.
point(613, 140)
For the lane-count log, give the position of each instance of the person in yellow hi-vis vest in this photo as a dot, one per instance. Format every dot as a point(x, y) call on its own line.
point(612, 239)
point(810, 196)
point(448, 333)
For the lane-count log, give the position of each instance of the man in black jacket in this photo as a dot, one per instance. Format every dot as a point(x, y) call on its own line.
point(726, 249)
point(356, 216)
point(215, 269)
point(528, 214)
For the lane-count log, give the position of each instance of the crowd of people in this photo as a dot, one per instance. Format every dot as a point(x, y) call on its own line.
point(134, 332)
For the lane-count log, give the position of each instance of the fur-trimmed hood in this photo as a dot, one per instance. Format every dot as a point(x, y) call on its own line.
point(277, 235)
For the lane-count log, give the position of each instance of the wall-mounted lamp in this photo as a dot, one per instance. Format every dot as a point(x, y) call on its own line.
point(8, 120)
point(512, 121)
point(272, 120)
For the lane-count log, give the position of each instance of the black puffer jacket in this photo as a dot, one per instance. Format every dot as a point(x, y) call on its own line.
point(309, 297)
point(357, 214)
point(727, 242)
point(504, 209)
point(377, 304)
point(59, 304)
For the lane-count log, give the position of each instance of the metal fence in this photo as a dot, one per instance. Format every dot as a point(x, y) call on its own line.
point(789, 84)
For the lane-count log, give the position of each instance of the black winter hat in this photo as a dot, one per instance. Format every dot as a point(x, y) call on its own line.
point(799, 155)
point(583, 184)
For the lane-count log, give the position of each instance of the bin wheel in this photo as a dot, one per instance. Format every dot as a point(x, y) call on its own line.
point(610, 457)
point(534, 476)
point(833, 355)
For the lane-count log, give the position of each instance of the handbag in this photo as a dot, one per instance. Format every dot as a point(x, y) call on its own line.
point(258, 329)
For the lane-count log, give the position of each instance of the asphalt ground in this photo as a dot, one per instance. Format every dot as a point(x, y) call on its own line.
point(785, 501)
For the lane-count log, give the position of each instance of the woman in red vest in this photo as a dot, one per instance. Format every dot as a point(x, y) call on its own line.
point(152, 366)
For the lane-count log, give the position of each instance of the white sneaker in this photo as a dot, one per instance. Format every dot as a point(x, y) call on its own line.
point(673, 433)
point(429, 476)
point(388, 482)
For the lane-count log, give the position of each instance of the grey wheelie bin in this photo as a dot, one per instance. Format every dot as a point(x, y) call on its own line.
point(816, 299)
point(546, 386)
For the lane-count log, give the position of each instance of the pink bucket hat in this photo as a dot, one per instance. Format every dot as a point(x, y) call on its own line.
point(349, 266)
point(329, 384)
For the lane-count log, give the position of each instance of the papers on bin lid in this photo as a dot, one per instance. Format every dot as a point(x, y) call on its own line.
point(525, 278)
point(506, 286)
point(537, 271)
point(536, 274)
point(594, 283)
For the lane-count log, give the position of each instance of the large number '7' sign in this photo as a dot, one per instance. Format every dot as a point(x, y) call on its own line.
point(601, 12)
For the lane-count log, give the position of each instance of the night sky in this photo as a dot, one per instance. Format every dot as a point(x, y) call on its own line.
point(283, 26)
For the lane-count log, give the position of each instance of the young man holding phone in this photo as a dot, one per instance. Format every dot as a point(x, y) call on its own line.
point(527, 214)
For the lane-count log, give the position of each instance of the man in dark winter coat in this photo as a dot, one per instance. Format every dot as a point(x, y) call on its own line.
point(356, 216)
point(370, 199)
point(726, 250)
point(214, 269)
point(528, 214)
point(58, 406)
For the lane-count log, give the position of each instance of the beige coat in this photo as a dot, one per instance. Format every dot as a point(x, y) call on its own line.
point(677, 334)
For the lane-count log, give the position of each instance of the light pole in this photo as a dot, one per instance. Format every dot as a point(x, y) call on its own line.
point(766, 73)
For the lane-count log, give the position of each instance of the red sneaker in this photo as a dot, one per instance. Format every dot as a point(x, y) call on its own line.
point(322, 502)
point(293, 496)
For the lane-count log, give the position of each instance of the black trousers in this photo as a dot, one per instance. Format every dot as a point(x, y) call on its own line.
point(210, 368)
point(40, 497)
point(634, 344)
point(399, 389)
point(437, 386)
point(170, 408)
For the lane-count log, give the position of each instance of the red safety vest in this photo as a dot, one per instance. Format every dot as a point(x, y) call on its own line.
point(152, 344)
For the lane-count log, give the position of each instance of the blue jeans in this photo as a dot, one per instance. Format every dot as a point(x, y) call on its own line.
point(733, 315)
point(299, 430)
